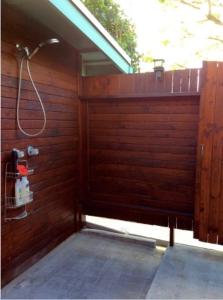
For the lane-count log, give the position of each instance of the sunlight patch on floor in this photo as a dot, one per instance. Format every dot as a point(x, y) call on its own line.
point(156, 232)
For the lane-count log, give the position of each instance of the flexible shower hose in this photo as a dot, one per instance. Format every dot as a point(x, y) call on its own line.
point(19, 96)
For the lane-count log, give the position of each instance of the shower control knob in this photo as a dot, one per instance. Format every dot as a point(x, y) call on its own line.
point(20, 153)
point(32, 151)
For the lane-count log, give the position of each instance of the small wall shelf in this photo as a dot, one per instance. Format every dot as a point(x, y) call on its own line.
point(10, 201)
point(21, 216)
point(17, 175)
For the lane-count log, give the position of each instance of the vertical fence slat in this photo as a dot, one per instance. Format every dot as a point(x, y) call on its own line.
point(194, 73)
point(180, 84)
point(220, 220)
point(159, 86)
point(207, 102)
point(140, 84)
point(219, 121)
point(113, 85)
point(214, 218)
point(168, 76)
point(126, 84)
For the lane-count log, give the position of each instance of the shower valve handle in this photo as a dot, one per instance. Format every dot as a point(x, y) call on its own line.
point(32, 151)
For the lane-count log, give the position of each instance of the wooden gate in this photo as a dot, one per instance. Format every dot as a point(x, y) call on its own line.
point(139, 149)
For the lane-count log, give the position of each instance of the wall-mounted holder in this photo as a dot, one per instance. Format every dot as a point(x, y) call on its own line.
point(10, 201)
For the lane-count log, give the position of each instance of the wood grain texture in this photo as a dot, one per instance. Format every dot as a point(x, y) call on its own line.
point(122, 146)
point(208, 217)
point(173, 83)
point(55, 183)
point(142, 159)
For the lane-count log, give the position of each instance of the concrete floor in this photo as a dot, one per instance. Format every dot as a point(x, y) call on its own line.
point(100, 265)
point(90, 265)
point(190, 273)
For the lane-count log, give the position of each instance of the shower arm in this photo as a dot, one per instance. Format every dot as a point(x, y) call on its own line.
point(33, 53)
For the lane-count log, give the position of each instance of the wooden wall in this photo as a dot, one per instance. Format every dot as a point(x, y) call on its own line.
point(142, 159)
point(56, 179)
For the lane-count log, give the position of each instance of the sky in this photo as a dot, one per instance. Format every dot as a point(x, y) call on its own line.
point(155, 23)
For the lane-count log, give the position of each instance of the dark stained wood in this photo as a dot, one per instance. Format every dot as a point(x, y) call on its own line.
point(43, 74)
point(84, 162)
point(55, 183)
point(27, 93)
point(149, 117)
point(136, 213)
point(142, 156)
point(172, 225)
point(208, 206)
point(120, 146)
point(205, 151)
point(183, 82)
point(215, 211)
point(220, 219)
point(159, 125)
point(171, 242)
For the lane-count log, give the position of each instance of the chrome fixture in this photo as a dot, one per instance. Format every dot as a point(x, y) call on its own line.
point(31, 151)
point(20, 153)
point(47, 42)
point(27, 55)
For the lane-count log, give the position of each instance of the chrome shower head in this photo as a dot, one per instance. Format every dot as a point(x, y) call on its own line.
point(47, 42)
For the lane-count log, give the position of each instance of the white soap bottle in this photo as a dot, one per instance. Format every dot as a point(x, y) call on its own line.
point(18, 192)
point(25, 189)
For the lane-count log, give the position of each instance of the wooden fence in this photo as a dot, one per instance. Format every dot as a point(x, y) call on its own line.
point(143, 151)
point(209, 197)
point(139, 85)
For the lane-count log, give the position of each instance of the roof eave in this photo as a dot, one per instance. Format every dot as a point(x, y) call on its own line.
point(78, 15)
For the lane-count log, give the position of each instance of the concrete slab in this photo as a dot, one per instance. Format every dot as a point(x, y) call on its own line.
point(190, 273)
point(90, 266)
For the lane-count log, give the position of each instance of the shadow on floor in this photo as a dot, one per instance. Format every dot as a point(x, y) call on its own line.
point(90, 265)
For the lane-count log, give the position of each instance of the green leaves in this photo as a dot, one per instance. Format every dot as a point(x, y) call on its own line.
point(165, 42)
point(112, 17)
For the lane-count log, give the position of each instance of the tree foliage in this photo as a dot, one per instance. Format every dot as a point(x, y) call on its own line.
point(111, 16)
point(198, 27)
point(211, 10)
point(212, 7)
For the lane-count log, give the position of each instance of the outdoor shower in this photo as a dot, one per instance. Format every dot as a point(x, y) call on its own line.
point(27, 55)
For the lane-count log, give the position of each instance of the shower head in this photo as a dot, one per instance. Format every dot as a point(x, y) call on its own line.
point(47, 42)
